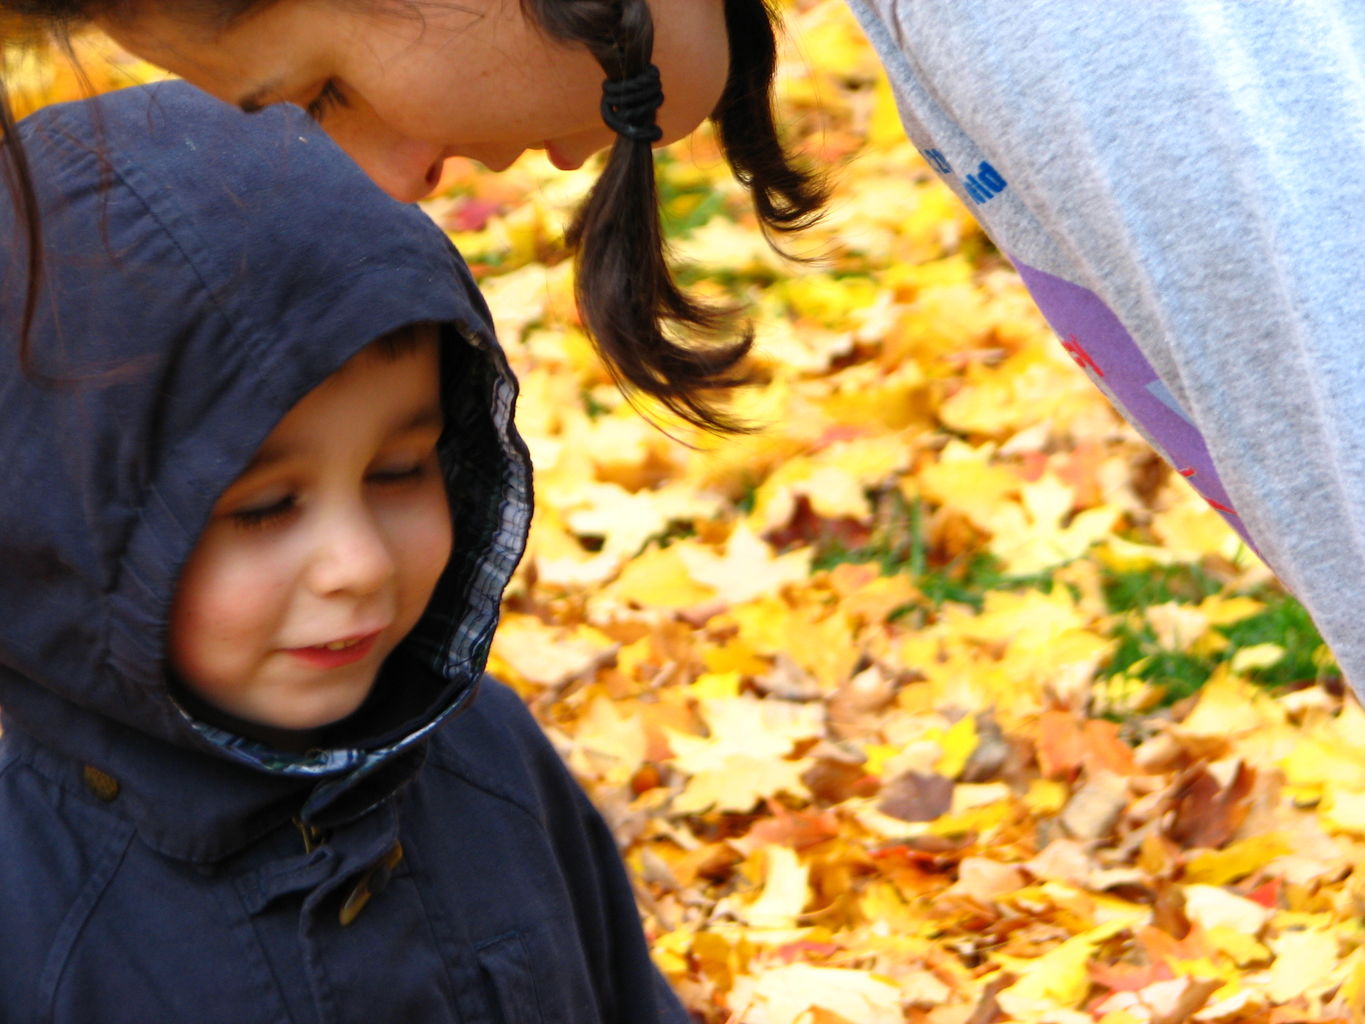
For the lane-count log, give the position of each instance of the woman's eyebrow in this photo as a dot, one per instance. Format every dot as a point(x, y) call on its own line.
point(255, 100)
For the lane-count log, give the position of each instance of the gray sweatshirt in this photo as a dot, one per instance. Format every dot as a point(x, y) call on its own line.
point(1181, 185)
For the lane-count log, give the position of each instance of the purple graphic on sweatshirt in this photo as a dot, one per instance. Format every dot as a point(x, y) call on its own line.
point(1093, 336)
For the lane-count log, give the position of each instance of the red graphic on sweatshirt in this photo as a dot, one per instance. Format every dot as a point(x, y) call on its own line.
point(1081, 356)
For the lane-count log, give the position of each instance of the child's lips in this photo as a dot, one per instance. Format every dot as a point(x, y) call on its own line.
point(335, 653)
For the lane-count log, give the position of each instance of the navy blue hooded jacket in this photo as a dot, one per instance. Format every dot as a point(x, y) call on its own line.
point(204, 271)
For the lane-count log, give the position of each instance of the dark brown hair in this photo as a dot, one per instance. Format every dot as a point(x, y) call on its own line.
point(631, 305)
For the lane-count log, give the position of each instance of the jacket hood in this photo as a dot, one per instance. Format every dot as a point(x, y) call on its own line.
point(203, 270)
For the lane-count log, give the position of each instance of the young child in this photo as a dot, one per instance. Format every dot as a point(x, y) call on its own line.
point(263, 496)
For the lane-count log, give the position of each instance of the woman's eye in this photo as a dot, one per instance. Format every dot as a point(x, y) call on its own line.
point(328, 98)
point(259, 516)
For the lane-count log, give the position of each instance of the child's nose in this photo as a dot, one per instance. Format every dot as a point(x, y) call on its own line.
point(352, 557)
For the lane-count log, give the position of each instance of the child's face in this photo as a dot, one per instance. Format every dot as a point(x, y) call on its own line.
point(402, 87)
point(323, 554)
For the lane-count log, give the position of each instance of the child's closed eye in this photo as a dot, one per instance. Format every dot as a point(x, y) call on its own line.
point(255, 517)
point(405, 471)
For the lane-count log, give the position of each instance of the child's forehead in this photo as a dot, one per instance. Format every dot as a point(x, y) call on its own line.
point(401, 341)
point(390, 388)
point(411, 345)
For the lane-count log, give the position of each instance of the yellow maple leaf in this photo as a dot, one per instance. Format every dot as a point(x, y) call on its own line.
point(1236, 860)
point(1323, 761)
point(834, 480)
point(812, 637)
point(831, 41)
point(723, 246)
point(1226, 609)
point(542, 655)
point(1058, 978)
point(1029, 537)
point(560, 559)
point(748, 569)
point(758, 727)
point(958, 742)
point(964, 479)
point(871, 399)
point(1191, 530)
point(1228, 706)
point(658, 578)
point(625, 520)
point(737, 783)
point(608, 743)
point(788, 994)
point(1304, 963)
point(828, 299)
point(788, 350)
point(786, 887)
point(1214, 907)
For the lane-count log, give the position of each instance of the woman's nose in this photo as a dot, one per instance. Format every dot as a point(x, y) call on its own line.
point(405, 168)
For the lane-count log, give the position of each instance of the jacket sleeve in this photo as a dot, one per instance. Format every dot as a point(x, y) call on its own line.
point(498, 746)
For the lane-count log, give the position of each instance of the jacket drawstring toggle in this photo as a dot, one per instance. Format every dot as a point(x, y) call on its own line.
point(313, 837)
point(101, 784)
point(371, 883)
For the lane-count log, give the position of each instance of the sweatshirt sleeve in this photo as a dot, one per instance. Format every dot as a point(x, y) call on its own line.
point(1181, 186)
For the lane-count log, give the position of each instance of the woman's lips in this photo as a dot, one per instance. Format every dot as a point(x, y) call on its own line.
point(337, 652)
point(560, 159)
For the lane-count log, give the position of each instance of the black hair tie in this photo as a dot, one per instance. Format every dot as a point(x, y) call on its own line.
point(629, 105)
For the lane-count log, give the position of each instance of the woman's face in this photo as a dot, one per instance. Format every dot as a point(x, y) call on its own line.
point(402, 85)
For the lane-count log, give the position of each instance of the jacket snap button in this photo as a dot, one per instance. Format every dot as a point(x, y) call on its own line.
point(371, 883)
point(101, 784)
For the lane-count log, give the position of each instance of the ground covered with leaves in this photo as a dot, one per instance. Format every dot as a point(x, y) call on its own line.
point(937, 698)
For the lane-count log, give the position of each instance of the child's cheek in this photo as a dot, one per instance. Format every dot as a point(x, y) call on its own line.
point(227, 611)
point(430, 540)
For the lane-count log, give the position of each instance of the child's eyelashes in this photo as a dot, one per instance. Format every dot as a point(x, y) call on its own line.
point(327, 99)
point(273, 510)
point(406, 471)
point(258, 517)
point(398, 476)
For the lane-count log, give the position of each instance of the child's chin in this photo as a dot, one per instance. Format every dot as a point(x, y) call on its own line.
point(324, 716)
point(298, 729)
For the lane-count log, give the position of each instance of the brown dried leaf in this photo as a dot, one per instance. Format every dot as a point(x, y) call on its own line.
point(916, 797)
point(1208, 814)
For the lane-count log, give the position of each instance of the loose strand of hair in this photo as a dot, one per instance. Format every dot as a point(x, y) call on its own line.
point(18, 174)
point(24, 197)
point(788, 197)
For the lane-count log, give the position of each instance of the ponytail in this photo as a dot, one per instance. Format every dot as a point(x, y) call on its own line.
point(625, 288)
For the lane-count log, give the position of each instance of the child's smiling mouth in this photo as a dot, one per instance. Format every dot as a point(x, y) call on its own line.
point(336, 653)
